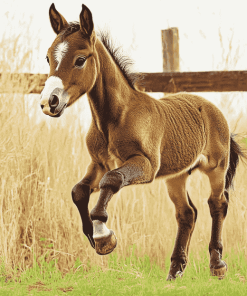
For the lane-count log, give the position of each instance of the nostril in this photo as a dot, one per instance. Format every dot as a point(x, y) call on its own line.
point(54, 101)
point(42, 106)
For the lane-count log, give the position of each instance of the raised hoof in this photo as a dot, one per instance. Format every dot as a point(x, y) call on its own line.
point(106, 245)
point(170, 277)
point(104, 238)
point(219, 272)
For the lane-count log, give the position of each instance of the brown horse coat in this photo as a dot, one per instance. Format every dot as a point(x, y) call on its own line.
point(134, 138)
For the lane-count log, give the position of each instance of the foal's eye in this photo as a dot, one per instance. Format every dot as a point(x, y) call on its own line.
point(47, 60)
point(79, 63)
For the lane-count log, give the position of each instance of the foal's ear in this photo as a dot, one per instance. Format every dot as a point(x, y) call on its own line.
point(86, 21)
point(58, 22)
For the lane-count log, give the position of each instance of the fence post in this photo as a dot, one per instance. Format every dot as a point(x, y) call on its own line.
point(170, 50)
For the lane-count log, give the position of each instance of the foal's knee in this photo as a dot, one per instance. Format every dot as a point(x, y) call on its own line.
point(112, 180)
point(80, 193)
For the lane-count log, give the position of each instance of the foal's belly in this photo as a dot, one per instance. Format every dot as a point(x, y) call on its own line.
point(169, 169)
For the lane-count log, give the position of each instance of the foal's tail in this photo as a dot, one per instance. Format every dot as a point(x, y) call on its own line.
point(235, 152)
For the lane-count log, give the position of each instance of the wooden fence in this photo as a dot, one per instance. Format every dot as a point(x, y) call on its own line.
point(169, 81)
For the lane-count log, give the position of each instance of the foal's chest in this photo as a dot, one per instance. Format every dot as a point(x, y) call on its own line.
point(102, 150)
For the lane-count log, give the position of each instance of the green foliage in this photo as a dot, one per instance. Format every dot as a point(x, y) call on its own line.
point(131, 276)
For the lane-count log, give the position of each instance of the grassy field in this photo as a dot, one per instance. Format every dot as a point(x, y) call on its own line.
point(42, 248)
point(130, 276)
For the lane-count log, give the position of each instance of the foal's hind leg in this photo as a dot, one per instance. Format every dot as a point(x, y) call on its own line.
point(218, 204)
point(186, 217)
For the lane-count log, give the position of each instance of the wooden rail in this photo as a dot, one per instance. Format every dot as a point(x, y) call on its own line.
point(213, 81)
point(24, 83)
point(170, 82)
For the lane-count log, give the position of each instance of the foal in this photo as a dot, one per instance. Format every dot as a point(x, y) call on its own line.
point(134, 138)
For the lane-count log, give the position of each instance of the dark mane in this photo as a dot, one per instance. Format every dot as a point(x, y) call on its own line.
point(124, 63)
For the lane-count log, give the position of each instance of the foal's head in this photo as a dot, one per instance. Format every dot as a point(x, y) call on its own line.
point(72, 60)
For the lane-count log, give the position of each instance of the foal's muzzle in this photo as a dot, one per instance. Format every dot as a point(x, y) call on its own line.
point(57, 102)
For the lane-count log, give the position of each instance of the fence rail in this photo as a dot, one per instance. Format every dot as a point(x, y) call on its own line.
point(213, 81)
point(170, 82)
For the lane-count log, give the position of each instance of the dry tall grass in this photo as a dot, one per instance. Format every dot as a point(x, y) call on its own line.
point(40, 163)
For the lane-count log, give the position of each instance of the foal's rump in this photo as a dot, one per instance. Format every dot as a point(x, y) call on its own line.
point(197, 134)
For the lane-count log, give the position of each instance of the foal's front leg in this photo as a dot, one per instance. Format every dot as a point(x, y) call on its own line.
point(81, 194)
point(136, 169)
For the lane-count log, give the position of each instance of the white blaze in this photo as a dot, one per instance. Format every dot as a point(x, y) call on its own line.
point(51, 83)
point(60, 51)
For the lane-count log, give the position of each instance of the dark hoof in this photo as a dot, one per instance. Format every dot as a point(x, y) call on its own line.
point(170, 277)
point(219, 272)
point(104, 238)
point(106, 245)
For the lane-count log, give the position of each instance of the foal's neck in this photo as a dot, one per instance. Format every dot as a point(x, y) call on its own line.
point(111, 92)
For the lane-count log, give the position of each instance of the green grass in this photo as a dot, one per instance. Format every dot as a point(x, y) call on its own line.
point(129, 276)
